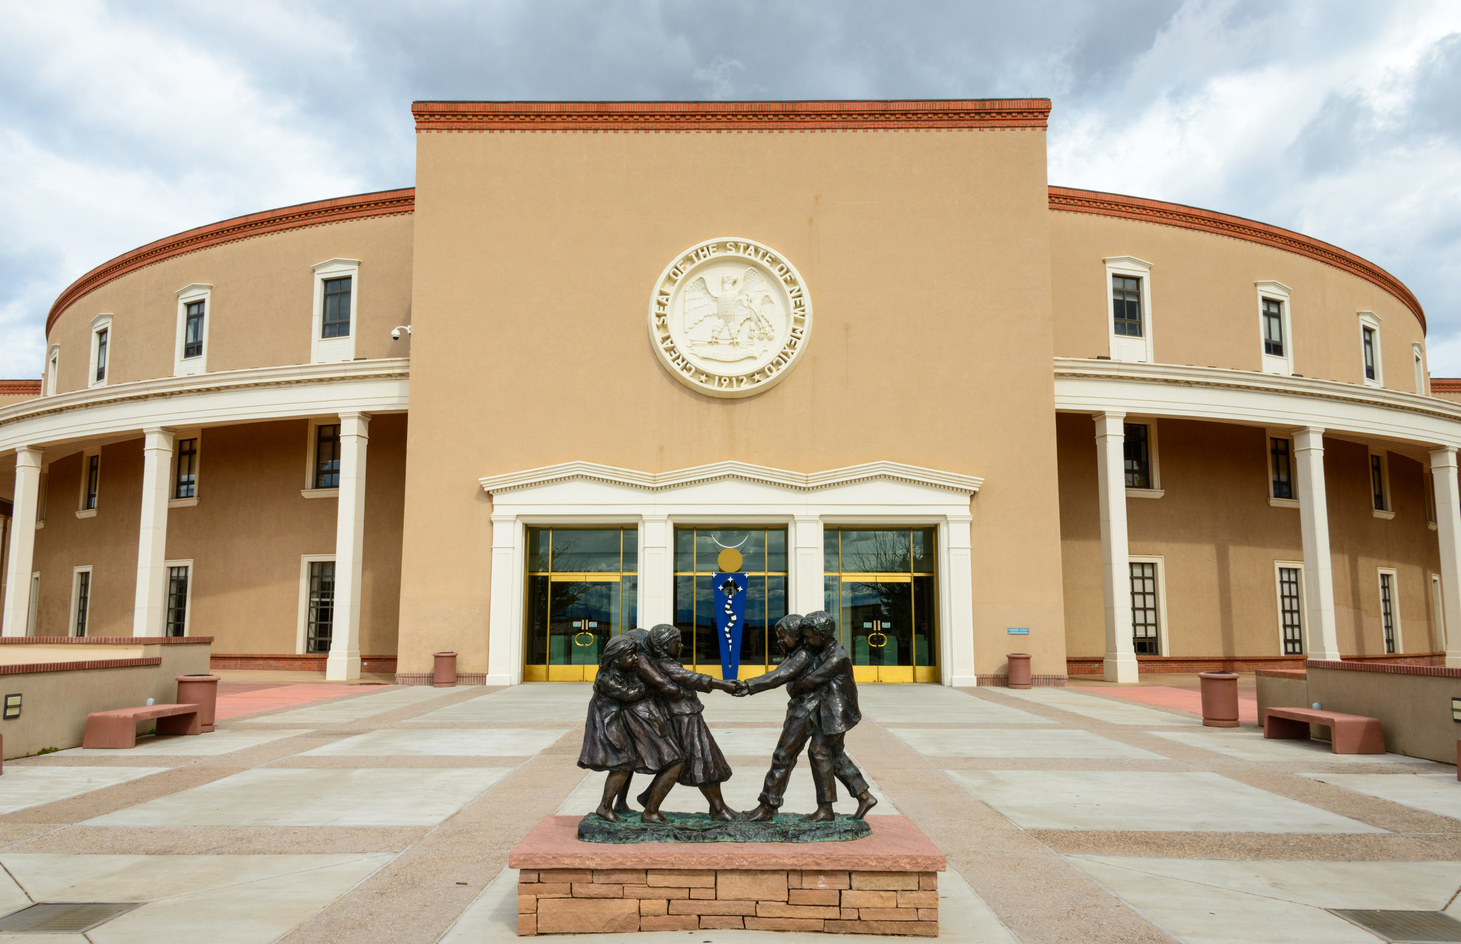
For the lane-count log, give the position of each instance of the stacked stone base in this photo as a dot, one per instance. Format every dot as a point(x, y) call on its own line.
point(886, 883)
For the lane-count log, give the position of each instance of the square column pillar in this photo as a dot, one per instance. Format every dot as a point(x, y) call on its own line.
point(150, 603)
point(344, 659)
point(1448, 532)
point(22, 540)
point(1321, 638)
point(957, 662)
point(1120, 664)
point(807, 593)
point(505, 607)
point(656, 572)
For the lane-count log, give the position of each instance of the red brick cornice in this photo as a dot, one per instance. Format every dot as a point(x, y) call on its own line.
point(944, 114)
point(359, 206)
point(1207, 221)
point(11, 388)
point(1446, 385)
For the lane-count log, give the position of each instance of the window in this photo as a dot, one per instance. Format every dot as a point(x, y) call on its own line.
point(1280, 468)
point(179, 593)
point(1438, 611)
point(1417, 354)
point(1128, 282)
point(1380, 485)
point(80, 599)
point(90, 482)
point(1428, 485)
point(1146, 623)
point(190, 353)
point(185, 469)
point(1371, 362)
point(321, 607)
point(1139, 456)
point(1275, 327)
point(327, 456)
point(53, 367)
point(1291, 607)
point(336, 293)
point(101, 345)
point(1389, 612)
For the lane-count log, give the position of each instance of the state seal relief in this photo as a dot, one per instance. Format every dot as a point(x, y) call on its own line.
point(729, 317)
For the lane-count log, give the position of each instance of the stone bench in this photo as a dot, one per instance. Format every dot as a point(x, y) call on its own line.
point(118, 728)
point(1349, 734)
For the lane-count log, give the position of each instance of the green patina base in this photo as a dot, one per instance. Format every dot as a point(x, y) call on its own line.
point(699, 827)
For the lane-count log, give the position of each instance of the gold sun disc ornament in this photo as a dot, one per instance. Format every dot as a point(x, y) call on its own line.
point(729, 561)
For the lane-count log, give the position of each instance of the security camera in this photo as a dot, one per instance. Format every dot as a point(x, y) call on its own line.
point(396, 333)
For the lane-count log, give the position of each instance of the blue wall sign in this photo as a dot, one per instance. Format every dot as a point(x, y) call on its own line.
point(1019, 631)
point(730, 618)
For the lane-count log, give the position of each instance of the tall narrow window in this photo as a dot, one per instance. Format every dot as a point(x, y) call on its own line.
point(1290, 611)
point(1369, 340)
point(193, 329)
point(1273, 327)
point(1378, 497)
point(1419, 358)
point(336, 320)
point(1428, 483)
point(327, 456)
point(1138, 456)
point(1145, 619)
point(53, 367)
point(321, 616)
point(1388, 620)
point(177, 600)
point(1281, 467)
point(185, 479)
point(93, 482)
point(101, 354)
point(1126, 306)
point(83, 602)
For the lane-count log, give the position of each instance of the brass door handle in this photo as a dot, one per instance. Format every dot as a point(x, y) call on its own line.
point(877, 645)
point(584, 645)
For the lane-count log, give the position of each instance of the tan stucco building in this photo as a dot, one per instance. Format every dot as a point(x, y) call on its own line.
point(525, 404)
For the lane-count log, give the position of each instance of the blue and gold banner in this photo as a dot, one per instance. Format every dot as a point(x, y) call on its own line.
point(730, 618)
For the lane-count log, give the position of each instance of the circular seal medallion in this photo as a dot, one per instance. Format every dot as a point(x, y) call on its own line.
point(729, 317)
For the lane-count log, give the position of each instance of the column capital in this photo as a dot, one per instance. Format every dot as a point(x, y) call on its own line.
point(28, 457)
point(1111, 423)
point(1443, 457)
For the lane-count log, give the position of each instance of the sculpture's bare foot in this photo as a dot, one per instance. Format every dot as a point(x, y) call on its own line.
point(824, 814)
point(761, 814)
point(864, 803)
point(605, 813)
point(621, 807)
point(643, 798)
point(725, 815)
point(655, 817)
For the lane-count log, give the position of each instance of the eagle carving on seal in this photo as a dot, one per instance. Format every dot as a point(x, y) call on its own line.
point(736, 324)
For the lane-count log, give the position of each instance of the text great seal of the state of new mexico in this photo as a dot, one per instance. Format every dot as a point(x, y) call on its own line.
point(730, 317)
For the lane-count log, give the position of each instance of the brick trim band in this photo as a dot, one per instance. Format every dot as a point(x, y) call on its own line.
point(289, 662)
point(35, 667)
point(318, 213)
point(1117, 205)
point(1092, 665)
point(11, 388)
point(104, 640)
point(931, 115)
point(1446, 385)
point(1391, 668)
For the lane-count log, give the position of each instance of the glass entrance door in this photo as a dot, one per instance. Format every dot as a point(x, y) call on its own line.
point(879, 584)
point(877, 626)
point(582, 590)
point(583, 613)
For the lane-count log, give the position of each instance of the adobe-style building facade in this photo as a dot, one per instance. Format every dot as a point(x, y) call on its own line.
point(522, 406)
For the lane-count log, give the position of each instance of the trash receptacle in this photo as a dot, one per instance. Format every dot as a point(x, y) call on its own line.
point(1219, 699)
point(444, 670)
point(200, 689)
point(1019, 669)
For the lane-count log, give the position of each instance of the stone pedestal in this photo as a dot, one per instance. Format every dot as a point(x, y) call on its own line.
point(886, 883)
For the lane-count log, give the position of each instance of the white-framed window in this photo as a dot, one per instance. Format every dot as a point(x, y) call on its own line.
point(101, 349)
point(1390, 611)
point(35, 602)
point(43, 495)
point(333, 327)
point(1148, 606)
point(179, 597)
point(1275, 327)
point(80, 600)
point(1288, 585)
point(1283, 481)
point(1379, 471)
point(90, 484)
point(187, 452)
point(1371, 364)
point(1438, 612)
point(322, 459)
point(1428, 483)
point(1129, 308)
point(195, 311)
point(1142, 465)
point(1417, 354)
point(53, 367)
point(316, 602)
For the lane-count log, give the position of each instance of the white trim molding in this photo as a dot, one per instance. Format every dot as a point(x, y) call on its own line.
point(1422, 376)
point(1370, 322)
point(1276, 363)
point(333, 350)
point(728, 493)
point(99, 357)
point(197, 364)
point(1122, 347)
point(53, 367)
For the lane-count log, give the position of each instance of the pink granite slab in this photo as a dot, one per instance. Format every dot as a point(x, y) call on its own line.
point(896, 845)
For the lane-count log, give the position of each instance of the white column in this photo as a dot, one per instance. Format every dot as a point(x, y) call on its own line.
point(958, 667)
point(1120, 665)
point(656, 572)
point(504, 610)
point(1448, 531)
point(1321, 638)
point(344, 660)
point(807, 594)
point(150, 604)
point(22, 540)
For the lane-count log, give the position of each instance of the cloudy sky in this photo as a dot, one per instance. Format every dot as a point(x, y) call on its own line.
point(124, 122)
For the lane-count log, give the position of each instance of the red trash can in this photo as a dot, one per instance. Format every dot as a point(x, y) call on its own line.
point(444, 670)
point(1019, 669)
point(201, 690)
point(1219, 699)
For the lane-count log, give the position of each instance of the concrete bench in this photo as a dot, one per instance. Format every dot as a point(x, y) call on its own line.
point(1349, 734)
point(118, 728)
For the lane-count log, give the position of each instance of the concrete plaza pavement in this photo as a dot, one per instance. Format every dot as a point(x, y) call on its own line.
point(386, 814)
